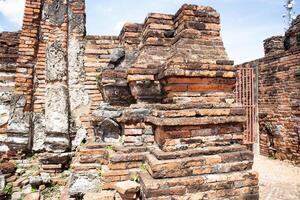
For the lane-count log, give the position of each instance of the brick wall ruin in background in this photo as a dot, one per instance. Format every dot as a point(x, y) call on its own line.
point(279, 95)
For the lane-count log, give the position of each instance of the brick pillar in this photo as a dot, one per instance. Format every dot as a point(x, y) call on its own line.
point(28, 49)
point(19, 124)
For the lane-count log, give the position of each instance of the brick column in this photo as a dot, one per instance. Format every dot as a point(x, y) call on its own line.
point(19, 124)
point(28, 49)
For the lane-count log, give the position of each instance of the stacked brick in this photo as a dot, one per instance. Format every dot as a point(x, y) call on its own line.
point(97, 56)
point(279, 96)
point(192, 148)
point(18, 129)
point(9, 42)
point(274, 45)
point(156, 104)
point(197, 45)
point(28, 49)
point(130, 35)
point(186, 161)
point(155, 45)
point(292, 36)
point(197, 36)
point(199, 150)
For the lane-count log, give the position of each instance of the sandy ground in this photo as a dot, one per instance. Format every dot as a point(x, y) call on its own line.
point(277, 180)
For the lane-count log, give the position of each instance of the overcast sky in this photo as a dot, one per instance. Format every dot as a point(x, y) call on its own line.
point(245, 23)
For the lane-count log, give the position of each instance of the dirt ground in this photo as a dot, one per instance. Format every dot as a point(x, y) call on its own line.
point(277, 180)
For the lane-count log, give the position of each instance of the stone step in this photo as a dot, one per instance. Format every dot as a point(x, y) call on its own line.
point(115, 147)
point(93, 156)
point(86, 151)
point(103, 195)
point(211, 183)
point(85, 166)
point(125, 165)
point(116, 157)
point(210, 150)
point(202, 142)
point(244, 193)
point(7, 84)
point(193, 166)
point(93, 159)
point(6, 77)
point(130, 149)
point(98, 145)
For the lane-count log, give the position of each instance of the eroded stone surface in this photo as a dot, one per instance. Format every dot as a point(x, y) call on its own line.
point(80, 137)
point(18, 119)
point(81, 184)
point(56, 111)
point(108, 131)
point(55, 12)
point(56, 63)
point(2, 182)
point(39, 132)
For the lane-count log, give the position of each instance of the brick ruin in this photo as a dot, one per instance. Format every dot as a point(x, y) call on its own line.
point(154, 105)
point(279, 95)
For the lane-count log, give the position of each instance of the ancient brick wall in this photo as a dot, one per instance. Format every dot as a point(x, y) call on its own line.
point(97, 56)
point(9, 42)
point(155, 103)
point(279, 95)
point(166, 112)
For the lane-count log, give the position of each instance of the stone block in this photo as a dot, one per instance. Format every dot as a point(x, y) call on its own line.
point(80, 184)
point(56, 62)
point(56, 110)
point(39, 132)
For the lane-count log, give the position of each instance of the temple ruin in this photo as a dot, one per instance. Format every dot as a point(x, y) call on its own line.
point(154, 105)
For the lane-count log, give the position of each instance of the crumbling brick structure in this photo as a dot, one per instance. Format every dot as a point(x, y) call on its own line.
point(155, 104)
point(279, 95)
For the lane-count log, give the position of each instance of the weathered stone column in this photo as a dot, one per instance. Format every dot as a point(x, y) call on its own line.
point(56, 96)
point(78, 96)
